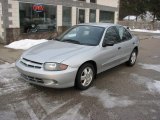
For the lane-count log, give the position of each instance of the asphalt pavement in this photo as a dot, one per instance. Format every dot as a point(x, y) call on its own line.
point(121, 93)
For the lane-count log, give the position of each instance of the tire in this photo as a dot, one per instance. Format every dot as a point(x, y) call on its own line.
point(85, 76)
point(133, 57)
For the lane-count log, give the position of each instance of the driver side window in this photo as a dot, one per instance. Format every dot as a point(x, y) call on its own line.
point(112, 35)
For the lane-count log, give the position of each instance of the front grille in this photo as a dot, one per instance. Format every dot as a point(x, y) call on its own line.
point(32, 79)
point(31, 64)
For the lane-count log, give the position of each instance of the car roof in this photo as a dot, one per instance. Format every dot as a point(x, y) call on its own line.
point(105, 25)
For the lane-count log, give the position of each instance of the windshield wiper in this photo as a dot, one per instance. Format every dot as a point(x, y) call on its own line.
point(71, 41)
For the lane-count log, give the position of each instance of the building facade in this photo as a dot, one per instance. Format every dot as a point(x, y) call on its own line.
point(30, 16)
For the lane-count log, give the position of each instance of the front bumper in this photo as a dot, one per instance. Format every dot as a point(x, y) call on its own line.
point(53, 79)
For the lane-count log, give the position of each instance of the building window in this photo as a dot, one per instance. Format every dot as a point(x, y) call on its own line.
point(81, 15)
point(106, 17)
point(92, 17)
point(93, 1)
point(67, 16)
point(37, 17)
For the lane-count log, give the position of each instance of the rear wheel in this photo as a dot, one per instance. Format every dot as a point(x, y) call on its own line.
point(133, 58)
point(85, 76)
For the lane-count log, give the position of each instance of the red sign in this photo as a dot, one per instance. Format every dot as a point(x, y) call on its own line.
point(38, 8)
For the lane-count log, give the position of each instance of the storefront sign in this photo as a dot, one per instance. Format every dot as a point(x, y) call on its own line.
point(38, 8)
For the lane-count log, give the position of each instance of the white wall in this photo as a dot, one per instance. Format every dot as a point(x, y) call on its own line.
point(59, 15)
point(1, 23)
point(97, 15)
point(116, 15)
point(87, 11)
point(112, 3)
point(15, 14)
point(74, 16)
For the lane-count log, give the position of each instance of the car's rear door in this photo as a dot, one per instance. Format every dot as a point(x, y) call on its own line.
point(126, 43)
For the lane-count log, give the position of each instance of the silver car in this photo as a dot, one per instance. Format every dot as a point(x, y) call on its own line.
point(77, 56)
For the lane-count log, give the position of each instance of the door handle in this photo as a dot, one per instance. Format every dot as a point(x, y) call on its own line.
point(119, 48)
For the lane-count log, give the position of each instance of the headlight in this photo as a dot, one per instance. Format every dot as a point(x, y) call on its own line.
point(55, 66)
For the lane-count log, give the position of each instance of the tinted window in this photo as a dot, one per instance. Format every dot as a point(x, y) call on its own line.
point(112, 35)
point(106, 17)
point(124, 34)
point(93, 1)
point(92, 17)
point(66, 16)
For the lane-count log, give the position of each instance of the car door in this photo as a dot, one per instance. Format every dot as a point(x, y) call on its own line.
point(109, 54)
point(126, 43)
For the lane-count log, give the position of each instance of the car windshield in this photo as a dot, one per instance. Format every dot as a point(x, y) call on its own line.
point(83, 35)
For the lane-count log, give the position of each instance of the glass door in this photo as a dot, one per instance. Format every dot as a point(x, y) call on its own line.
point(81, 16)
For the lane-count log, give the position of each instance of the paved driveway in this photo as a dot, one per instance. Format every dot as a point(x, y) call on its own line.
point(122, 93)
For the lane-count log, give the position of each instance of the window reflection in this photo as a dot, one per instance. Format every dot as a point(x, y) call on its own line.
point(37, 17)
point(66, 16)
point(92, 17)
point(106, 17)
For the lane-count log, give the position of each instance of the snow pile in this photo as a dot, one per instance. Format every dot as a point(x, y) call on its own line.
point(25, 44)
point(148, 16)
point(150, 67)
point(9, 81)
point(144, 30)
point(152, 85)
point(106, 99)
point(156, 37)
point(130, 17)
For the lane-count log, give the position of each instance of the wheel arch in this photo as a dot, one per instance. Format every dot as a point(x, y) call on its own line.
point(136, 48)
point(91, 62)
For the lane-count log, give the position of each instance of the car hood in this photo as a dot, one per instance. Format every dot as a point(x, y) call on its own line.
point(54, 51)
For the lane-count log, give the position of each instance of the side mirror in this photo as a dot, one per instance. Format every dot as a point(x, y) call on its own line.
point(108, 43)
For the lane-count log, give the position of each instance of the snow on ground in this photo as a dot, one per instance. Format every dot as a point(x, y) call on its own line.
point(147, 31)
point(152, 85)
point(156, 37)
point(108, 100)
point(150, 67)
point(155, 56)
point(25, 44)
point(72, 114)
point(52, 106)
point(8, 113)
point(9, 82)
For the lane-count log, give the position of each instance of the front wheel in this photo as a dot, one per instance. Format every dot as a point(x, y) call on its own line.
point(133, 58)
point(85, 76)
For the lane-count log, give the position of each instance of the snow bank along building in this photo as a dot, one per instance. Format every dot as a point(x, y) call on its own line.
point(26, 17)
